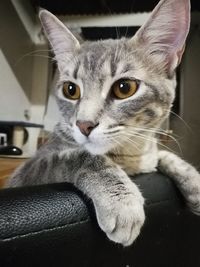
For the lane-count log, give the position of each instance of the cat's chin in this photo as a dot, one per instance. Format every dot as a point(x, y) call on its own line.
point(97, 150)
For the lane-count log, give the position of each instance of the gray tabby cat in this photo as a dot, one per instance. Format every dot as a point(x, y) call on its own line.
point(113, 96)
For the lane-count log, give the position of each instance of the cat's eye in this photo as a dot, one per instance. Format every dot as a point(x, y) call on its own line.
point(71, 91)
point(124, 88)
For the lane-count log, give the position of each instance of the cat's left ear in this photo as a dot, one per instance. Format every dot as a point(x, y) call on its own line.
point(63, 42)
point(163, 36)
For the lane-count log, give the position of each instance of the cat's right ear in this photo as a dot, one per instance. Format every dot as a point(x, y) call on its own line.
point(61, 39)
point(162, 38)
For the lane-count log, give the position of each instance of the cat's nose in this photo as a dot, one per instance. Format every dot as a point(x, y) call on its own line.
point(86, 127)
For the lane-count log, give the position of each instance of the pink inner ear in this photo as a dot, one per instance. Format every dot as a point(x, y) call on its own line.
point(167, 28)
point(179, 34)
point(61, 39)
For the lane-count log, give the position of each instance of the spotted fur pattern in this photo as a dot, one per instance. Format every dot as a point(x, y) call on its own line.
point(124, 142)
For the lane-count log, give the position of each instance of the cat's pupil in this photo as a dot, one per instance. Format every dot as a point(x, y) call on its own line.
point(72, 89)
point(124, 87)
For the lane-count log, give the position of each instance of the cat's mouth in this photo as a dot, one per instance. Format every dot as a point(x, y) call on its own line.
point(98, 142)
point(98, 148)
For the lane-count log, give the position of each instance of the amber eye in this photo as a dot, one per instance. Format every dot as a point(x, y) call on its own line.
point(71, 91)
point(124, 88)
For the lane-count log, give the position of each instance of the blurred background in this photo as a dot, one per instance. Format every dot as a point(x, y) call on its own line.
point(27, 72)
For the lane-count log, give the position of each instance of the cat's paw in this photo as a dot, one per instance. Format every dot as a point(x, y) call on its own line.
point(192, 190)
point(122, 220)
point(193, 201)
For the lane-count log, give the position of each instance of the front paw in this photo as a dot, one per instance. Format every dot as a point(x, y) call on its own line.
point(192, 194)
point(121, 219)
point(193, 202)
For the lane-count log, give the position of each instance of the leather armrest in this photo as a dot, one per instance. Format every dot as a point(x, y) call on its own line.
point(55, 225)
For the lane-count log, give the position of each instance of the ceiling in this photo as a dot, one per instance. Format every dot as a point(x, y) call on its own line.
point(73, 7)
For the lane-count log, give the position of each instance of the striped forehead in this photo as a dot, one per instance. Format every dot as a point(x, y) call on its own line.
point(99, 63)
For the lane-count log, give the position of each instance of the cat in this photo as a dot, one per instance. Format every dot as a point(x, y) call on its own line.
point(113, 96)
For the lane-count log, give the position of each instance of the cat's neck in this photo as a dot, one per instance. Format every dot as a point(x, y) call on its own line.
point(136, 155)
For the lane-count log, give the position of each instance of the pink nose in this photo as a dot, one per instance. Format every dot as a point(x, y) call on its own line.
point(86, 127)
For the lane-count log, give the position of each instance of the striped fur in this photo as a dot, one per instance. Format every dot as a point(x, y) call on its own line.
point(124, 142)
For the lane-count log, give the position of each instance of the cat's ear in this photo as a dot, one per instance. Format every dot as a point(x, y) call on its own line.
point(61, 39)
point(163, 36)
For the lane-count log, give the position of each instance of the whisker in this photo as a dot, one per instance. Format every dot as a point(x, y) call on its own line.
point(153, 140)
point(122, 144)
point(32, 53)
point(117, 142)
point(116, 51)
point(162, 133)
point(114, 130)
point(154, 130)
point(181, 119)
point(111, 132)
point(132, 142)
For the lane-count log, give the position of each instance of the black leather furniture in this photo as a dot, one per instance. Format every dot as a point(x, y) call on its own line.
point(54, 225)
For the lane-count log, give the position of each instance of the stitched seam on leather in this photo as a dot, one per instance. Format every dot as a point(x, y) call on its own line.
point(43, 231)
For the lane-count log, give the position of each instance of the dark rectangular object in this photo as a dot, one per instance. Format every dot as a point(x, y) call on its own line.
point(63, 7)
point(21, 124)
point(101, 33)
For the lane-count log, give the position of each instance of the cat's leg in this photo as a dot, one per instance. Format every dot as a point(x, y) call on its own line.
point(40, 169)
point(117, 200)
point(186, 177)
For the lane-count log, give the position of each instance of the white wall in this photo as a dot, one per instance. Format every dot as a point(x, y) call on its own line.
point(24, 69)
point(13, 100)
point(23, 64)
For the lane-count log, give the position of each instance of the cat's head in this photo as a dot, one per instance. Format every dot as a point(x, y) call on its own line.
point(109, 90)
